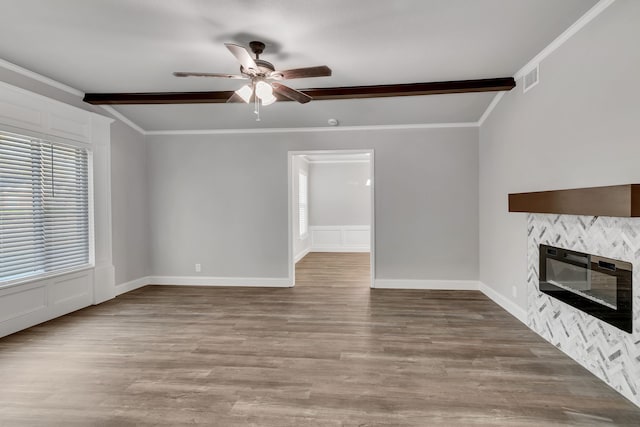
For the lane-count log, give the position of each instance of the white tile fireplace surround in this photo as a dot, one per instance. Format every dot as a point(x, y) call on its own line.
point(608, 352)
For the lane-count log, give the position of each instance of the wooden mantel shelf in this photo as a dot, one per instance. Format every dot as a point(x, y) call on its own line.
point(615, 200)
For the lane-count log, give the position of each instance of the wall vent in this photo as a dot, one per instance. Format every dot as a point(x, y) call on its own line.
point(532, 78)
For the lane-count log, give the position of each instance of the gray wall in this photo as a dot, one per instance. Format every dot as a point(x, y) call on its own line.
point(577, 128)
point(129, 204)
point(221, 200)
point(130, 213)
point(338, 194)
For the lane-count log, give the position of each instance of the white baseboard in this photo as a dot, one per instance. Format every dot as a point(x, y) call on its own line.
point(457, 285)
point(272, 282)
point(301, 255)
point(123, 288)
point(452, 285)
point(511, 307)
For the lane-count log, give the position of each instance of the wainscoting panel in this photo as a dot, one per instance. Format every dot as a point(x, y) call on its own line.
point(608, 352)
point(340, 238)
point(27, 304)
point(22, 302)
point(70, 293)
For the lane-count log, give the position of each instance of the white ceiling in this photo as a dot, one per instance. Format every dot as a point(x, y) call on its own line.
point(135, 45)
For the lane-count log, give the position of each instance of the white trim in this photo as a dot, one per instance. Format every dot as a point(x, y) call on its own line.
point(45, 299)
point(310, 129)
point(303, 253)
point(337, 248)
point(589, 16)
point(58, 85)
point(123, 288)
point(291, 267)
point(511, 307)
point(271, 282)
point(490, 107)
point(316, 162)
point(54, 83)
point(372, 238)
point(451, 285)
point(123, 119)
point(39, 77)
point(290, 155)
point(585, 19)
point(457, 285)
point(44, 276)
point(342, 243)
point(303, 234)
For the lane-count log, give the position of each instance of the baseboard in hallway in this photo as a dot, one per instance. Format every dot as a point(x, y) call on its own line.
point(223, 350)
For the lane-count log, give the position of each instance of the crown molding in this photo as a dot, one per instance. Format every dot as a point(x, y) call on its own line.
point(496, 99)
point(585, 19)
point(66, 88)
point(39, 77)
point(53, 83)
point(123, 118)
point(311, 129)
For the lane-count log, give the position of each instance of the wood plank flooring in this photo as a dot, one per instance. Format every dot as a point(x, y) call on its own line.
point(329, 352)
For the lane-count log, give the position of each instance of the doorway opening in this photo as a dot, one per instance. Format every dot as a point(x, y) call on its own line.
point(331, 207)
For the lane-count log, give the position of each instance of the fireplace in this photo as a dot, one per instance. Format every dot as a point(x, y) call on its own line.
point(599, 286)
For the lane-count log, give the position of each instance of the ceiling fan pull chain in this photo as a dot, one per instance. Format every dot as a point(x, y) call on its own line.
point(257, 107)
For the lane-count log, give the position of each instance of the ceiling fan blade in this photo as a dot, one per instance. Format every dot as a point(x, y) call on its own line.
point(243, 56)
point(301, 73)
point(225, 76)
point(292, 94)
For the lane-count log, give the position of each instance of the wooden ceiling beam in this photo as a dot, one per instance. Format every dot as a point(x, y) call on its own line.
point(328, 93)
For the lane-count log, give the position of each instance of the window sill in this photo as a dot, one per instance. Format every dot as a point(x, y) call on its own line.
point(44, 276)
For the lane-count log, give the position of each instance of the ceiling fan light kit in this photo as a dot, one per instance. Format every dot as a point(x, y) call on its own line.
point(245, 92)
point(262, 75)
point(265, 86)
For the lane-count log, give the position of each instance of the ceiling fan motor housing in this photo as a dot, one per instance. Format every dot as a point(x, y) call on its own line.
point(264, 68)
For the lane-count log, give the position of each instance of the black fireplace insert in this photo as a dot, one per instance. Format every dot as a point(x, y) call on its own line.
point(599, 286)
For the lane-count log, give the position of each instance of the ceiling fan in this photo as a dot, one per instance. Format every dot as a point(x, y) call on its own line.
point(265, 86)
point(264, 78)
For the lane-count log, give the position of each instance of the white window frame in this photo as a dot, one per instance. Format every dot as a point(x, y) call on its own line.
point(303, 204)
point(39, 275)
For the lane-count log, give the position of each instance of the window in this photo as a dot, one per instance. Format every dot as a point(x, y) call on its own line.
point(44, 207)
point(303, 208)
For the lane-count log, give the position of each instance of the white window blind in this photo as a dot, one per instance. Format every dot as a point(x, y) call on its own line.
point(302, 204)
point(44, 207)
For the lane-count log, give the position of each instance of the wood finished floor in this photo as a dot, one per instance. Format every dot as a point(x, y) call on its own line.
point(329, 352)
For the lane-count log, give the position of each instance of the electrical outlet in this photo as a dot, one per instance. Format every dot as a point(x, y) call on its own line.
point(198, 268)
point(514, 292)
